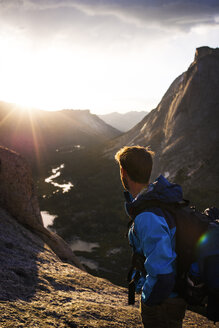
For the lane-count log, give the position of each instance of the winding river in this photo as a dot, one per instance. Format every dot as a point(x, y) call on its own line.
point(56, 173)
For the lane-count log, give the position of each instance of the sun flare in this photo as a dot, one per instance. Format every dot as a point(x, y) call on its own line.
point(56, 78)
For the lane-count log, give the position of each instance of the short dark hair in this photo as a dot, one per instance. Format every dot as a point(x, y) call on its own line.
point(137, 161)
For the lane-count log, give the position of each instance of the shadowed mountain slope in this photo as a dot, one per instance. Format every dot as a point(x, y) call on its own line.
point(37, 133)
point(183, 129)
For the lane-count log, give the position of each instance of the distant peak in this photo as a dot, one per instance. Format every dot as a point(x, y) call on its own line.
point(80, 111)
point(204, 51)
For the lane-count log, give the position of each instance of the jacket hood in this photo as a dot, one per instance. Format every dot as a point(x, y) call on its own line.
point(161, 189)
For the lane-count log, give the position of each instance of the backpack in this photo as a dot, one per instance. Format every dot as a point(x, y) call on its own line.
point(192, 229)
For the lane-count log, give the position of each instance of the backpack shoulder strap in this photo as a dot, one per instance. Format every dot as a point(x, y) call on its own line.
point(153, 203)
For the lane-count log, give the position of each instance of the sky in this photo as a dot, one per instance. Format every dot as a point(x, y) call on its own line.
point(102, 55)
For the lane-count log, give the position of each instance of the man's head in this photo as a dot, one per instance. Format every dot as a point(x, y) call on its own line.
point(136, 162)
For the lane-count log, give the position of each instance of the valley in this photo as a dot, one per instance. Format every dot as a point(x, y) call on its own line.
point(90, 213)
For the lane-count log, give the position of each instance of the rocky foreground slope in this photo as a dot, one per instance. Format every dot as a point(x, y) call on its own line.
point(38, 289)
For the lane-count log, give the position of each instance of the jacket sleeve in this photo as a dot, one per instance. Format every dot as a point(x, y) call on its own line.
point(156, 243)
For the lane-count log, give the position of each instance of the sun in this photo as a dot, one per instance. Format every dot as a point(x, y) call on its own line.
point(56, 77)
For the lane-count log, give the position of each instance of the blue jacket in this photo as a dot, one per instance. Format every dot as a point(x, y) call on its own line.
point(153, 236)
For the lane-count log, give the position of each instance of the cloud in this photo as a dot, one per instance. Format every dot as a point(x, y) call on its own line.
point(119, 26)
point(104, 24)
point(171, 14)
point(110, 48)
point(45, 22)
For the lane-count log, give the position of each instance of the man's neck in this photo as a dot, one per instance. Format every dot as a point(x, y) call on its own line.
point(136, 188)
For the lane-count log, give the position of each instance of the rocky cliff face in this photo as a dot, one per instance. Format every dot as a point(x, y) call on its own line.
point(183, 129)
point(17, 196)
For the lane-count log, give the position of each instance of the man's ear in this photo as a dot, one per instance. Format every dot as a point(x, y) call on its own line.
point(123, 172)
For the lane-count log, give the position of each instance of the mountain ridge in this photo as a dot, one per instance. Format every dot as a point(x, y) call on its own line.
point(35, 133)
point(123, 121)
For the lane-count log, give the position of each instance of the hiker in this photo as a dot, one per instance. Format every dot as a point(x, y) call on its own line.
point(152, 237)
